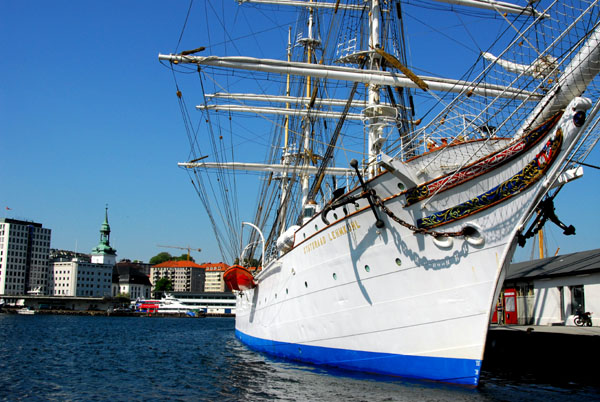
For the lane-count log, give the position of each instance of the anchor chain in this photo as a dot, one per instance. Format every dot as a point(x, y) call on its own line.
point(375, 200)
point(379, 202)
point(350, 199)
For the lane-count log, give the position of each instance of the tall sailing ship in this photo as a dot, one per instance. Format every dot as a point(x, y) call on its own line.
point(389, 201)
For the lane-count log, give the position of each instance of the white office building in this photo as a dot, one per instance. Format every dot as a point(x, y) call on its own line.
point(81, 278)
point(76, 277)
point(24, 250)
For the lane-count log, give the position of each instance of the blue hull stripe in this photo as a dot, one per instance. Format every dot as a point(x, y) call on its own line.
point(457, 371)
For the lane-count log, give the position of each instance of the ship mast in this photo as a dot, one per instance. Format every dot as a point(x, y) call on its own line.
point(309, 44)
point(285, 152)
point(374, 142)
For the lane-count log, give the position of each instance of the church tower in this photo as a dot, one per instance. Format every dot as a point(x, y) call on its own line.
point(103, 253)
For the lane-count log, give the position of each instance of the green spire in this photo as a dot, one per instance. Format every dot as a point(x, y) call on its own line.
point(104, 246)
point(105, 226)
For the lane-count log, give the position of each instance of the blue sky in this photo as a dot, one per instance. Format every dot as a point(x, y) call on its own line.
point(89, 117)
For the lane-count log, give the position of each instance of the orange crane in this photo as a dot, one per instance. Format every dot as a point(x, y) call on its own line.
point(188, 248)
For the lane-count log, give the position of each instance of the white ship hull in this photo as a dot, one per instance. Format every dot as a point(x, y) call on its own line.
point(388, 300)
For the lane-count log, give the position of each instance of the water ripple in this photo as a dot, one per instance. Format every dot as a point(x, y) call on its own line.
point(57, 358)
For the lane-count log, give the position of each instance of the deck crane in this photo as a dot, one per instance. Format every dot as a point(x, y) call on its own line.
point(188, 248)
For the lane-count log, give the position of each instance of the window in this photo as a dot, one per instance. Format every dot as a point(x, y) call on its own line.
point(577, 298)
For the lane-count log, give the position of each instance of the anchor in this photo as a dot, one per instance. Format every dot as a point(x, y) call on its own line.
point(545, 212)
point(369, 194)
point(338, 201)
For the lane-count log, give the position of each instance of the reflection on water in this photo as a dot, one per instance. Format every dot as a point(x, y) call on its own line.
point(121, 358)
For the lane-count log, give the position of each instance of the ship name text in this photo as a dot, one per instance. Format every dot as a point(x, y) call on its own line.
point(332, 235)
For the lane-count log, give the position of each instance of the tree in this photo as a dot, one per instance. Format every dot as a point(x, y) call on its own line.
point(183, 257)
point(163, 285)
point(160, 258)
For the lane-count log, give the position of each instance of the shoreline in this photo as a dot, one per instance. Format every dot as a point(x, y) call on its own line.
point(101, 313)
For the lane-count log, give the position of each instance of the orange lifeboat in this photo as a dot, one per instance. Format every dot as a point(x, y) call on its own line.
point(239, 278)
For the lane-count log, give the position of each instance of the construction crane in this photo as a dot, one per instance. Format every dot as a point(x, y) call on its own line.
point(188, 248)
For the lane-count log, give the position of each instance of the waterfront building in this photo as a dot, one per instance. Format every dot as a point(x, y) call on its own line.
point(186, 276)
point(129, 278)
point(549, 291)
point(80, 278)
point(142, 267)
point(214, 277)
point(103, 253)
point(24, 250)
point(74, 276)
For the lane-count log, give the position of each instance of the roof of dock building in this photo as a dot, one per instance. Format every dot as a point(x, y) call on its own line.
point(583, 262)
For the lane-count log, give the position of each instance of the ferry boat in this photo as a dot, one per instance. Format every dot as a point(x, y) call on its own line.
point(171, 305)
point(211, 303)
point(146, 306)
point(384, 255)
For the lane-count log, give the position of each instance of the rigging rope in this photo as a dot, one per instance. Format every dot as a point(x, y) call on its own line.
point(184, 25)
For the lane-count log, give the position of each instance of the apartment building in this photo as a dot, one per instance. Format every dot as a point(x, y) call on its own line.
point(186, 276)
point(24, 250)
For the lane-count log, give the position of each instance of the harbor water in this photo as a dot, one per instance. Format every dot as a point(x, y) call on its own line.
point(82, 358)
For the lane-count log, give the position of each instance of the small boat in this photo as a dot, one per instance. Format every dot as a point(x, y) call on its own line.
point(239, 278)
point(26, 311)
